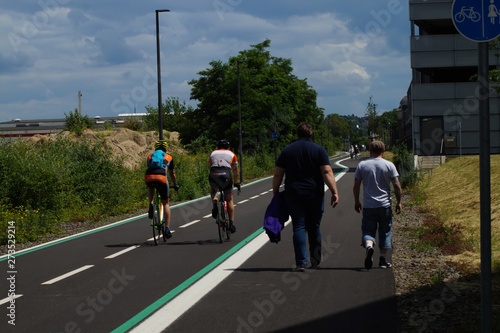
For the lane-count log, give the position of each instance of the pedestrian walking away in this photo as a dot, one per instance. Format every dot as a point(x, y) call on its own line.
point(307, 169)
point(377, 175)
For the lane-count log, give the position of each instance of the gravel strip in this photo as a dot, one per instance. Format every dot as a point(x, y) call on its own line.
point(432, 295)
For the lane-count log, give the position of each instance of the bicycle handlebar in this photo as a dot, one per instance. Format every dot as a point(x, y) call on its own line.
point(238, 186)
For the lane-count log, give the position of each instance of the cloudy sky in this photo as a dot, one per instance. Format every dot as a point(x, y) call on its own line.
point(51, 49)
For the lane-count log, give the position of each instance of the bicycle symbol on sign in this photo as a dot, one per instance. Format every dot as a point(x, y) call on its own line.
point(467, 13)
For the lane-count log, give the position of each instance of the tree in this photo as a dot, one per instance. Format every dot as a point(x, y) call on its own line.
point(388, 127)
point(371, 116)
point(338, 125)
point(264, 79)
point(76, 123)
point(175, 116)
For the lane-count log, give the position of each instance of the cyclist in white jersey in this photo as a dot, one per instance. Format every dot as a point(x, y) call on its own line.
point(223, 169)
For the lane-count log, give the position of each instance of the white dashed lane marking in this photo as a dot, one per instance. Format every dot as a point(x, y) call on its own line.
point(62, 277)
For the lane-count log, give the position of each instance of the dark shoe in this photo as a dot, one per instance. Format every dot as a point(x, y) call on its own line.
point(299, 269)
point(168, 234)
point(151, 211)
point(383, 263)
point(369, 258)
point(214, 211)
point(315, 265)
point(232, 228)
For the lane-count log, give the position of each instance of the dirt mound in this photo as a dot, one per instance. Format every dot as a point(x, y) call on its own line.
point(133, 146)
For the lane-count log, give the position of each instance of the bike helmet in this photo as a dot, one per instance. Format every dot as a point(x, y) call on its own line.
point(161, 144)
point(223, 144)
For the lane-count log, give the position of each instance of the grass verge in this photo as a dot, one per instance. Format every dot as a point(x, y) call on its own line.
point(449, 197)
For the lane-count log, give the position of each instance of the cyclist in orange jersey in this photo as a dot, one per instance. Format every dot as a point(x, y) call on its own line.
point(156, 177)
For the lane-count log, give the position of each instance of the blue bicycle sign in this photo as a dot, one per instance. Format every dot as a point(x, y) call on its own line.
point(477, 20)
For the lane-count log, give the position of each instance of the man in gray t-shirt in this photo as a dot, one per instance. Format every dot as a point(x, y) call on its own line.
point(376, 174)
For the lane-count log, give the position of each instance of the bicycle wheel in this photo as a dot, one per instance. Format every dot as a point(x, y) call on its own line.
point(163, 230)
point(459, 17)
point(158, 225)
point(161, 224)
point(475, 16)
point(221, 219)
point(228, 232)
point(155, 228)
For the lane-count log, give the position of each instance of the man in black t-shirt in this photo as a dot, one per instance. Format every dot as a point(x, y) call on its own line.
point(307, 169)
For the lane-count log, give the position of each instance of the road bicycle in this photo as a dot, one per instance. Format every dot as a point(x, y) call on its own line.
point(157, 222)
point(222, 219)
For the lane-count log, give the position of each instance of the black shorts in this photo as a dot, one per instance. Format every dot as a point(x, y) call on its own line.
point(157, 178)
point(162, 188)
point(220, 178)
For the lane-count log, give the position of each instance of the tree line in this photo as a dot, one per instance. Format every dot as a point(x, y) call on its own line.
point(271, 100)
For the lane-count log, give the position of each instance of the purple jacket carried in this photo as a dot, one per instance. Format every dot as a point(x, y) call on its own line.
point(275, 217)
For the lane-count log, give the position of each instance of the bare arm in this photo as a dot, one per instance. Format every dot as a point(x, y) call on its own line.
point(398, 192)
point(279, 172)
point(234, 168)
point(172, 176)
point(356, 190)
point(329, 178)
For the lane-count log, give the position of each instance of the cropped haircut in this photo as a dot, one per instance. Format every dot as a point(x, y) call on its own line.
point(377, 147)
point(304, 131)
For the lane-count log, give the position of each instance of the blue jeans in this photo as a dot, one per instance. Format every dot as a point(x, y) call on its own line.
point(380, 218)
point(306, 216)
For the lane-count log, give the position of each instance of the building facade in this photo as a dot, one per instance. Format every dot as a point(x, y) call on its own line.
point(443, 99)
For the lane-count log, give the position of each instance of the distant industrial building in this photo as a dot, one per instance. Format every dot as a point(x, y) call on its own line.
point(442, 108)
point(26, 128)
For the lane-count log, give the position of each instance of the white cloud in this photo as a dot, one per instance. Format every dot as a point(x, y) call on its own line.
point(109, 52)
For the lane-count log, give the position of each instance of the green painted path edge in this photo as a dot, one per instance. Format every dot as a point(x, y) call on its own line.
point(180, 288)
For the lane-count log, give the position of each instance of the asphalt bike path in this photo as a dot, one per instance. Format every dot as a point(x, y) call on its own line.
point(100, 280)
point(116, 280)
point(264, 295)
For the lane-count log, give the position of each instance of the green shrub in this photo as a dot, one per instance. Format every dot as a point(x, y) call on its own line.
point(258, 165)
point(192, 174)
point(51, 181)
point(76, 123)
point(133, 124)
point(67, 180)
point(404, 161)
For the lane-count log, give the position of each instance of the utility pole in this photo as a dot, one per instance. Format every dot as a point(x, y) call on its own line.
point(158, 68)
point(240, 131)
point(80, 102)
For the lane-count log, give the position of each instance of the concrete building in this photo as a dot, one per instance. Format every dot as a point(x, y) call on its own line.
point(442, 100)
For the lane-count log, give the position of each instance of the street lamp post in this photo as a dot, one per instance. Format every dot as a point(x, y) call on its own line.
point(275, 134)
point(158, 68)
point(239, 118)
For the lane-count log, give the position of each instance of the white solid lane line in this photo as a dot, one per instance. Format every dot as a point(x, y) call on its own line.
point(122, 252)
point(172, 310)
point(76, 271)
